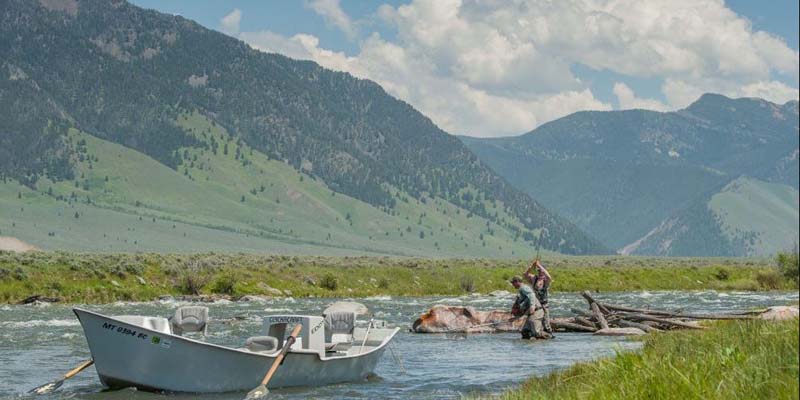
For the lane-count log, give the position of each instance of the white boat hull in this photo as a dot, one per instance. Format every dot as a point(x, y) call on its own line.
point(126, 355)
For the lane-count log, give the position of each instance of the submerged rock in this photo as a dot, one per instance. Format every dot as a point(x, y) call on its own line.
point(269, 289)
point(780, 313)
point(346, 306)
point(443, 318)
point(253, 298)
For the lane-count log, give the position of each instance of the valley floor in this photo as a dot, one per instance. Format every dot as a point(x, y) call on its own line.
point(100, 278)
point(742, 360)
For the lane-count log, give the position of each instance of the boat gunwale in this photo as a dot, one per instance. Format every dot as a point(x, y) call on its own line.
point(385, 342)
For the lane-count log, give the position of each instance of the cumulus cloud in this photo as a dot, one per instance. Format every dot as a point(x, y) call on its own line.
point(628, 100)
point(491, 68)
point(332, 13)
point(230, 22)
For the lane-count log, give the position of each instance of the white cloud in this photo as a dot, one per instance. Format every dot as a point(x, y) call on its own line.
point(230, 22)
point(493, 68)
point(628, 100)
point(332, 12)
point(683, 93)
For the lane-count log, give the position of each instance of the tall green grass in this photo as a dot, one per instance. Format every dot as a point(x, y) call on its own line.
point(97, 278)
point(733, 360)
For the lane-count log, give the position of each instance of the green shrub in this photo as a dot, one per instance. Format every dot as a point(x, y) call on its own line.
point(383, 283)
point(769, 279)
point(467, 284)
point(329, 282)
point(134, 268)
point(191, 284)
point(225, 284)
point(20, 274)
point(723, 274)
point(788, 265)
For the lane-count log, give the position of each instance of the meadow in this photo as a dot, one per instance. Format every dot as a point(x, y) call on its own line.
point(99, 278)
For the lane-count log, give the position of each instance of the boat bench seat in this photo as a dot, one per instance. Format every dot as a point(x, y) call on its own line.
point(261, 343)
point(190, 319)
point(158, 324)
point(339, 328)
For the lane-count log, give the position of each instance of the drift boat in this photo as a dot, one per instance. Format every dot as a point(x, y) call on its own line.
point(151, 353)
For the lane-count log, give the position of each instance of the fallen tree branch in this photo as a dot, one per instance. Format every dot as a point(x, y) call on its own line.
point(599, 316)
point(569, 326)
point(642, 317)
point(674, 314)
point(630, 324)
point(588, 296)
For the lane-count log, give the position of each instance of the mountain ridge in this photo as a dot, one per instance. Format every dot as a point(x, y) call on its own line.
point(126, 75)
point(620, 174)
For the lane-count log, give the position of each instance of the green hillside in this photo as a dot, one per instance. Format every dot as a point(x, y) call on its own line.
point(768, 212)
point(130, 76)
point(626, 175)
point(748, 217)
point(230, 198)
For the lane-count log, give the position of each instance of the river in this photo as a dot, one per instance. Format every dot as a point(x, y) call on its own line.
point(40, 343)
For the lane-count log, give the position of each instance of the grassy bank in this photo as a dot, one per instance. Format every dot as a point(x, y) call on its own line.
point(734, 360)
point(95, 278)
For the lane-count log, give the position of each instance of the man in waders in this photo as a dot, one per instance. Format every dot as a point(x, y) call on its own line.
point(540, 282)
point(526, 305)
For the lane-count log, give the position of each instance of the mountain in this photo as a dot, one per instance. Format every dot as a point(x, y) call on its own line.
point(227, 133)
point(747, 217)
point(624, 175)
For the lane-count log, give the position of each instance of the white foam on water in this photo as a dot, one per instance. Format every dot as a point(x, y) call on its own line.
point(449, 300)
point(277, 309)
point(38, 322)
point(379, 298)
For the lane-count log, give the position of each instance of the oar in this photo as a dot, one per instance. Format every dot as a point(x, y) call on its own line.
point(366, 336)
point(49, 387)
point(261, 390)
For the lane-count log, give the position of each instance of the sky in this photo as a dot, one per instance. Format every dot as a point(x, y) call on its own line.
point(492, 68)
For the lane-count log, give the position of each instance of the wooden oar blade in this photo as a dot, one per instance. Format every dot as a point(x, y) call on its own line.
point(259, 392)
point(47, 387)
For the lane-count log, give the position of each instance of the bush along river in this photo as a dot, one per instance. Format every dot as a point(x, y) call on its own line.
point(39, 343)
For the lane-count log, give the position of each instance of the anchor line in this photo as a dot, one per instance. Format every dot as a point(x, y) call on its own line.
point(396, 359)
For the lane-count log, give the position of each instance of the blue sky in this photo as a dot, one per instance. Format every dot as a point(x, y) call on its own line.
point(503, 69)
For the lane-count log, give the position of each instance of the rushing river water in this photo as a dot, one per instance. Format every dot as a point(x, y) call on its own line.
point(40, 343)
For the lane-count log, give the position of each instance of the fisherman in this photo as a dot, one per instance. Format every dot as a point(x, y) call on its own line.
point(526, 305)
point(540, 282)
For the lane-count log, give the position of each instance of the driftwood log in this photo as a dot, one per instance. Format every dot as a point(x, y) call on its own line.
point(674, 314)
point(588, 296)
point(630, 324)
point(599, 315)
point(604, 317)
point(585, 322)
point(570, 327)
point(672, 322)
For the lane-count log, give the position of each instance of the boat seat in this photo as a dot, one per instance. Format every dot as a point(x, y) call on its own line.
point(261, 343)
point(158, 324)
point(190, 319)
point(339, 328)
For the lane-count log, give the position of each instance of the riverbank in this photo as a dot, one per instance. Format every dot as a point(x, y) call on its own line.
point(99, 278)
point(741, 359)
